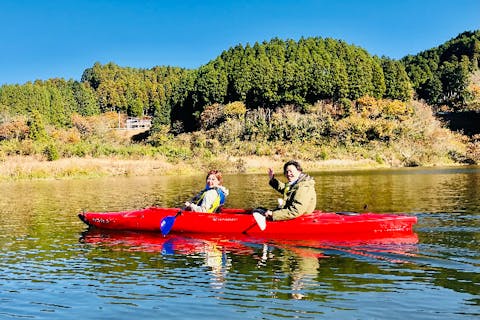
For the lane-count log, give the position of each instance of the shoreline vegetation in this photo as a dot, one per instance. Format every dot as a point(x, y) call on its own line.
point(31, 168)
point(374, 134)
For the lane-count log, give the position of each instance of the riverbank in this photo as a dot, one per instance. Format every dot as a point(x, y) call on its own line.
point(31, 168)
point(21, 168)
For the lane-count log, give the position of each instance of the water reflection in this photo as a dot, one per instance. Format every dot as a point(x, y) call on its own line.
point(297, 258)
point(46, 272)
point(301, 265)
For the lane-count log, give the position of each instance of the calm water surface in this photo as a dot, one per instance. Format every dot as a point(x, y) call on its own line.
point(52, 267)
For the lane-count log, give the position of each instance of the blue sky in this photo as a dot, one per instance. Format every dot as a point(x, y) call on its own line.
point(61, 38)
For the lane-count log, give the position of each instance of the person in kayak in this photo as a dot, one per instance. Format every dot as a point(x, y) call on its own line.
point(212, 198)
point(299, 195)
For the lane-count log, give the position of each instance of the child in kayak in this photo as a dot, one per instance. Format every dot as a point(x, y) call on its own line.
point(212, 198)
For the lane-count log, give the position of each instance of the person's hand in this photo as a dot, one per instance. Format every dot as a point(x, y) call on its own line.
point(271, 174)
point(280, 202)
point(269, 214)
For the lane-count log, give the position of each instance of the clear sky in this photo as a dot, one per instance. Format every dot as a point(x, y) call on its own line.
point(42, 39)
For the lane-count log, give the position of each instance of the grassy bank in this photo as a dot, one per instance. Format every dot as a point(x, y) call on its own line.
point(373, 134)
point(28, 168)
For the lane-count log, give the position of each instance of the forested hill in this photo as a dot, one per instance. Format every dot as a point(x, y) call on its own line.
point(276, 73)
point(268, 75)
point(448, 74)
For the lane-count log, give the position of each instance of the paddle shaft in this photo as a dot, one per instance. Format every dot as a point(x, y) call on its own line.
point(261, 226)
point(246, 230)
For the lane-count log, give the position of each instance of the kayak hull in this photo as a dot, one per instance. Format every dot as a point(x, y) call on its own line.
point(241, 221)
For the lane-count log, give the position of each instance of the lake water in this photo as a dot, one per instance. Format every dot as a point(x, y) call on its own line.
point(53, 268)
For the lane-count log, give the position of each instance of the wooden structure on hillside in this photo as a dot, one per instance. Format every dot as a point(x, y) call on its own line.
point(134, 123)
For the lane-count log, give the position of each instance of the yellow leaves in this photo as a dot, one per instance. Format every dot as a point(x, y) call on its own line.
point(97, 124)
point(474, 91)
point(15, 128)
point(212, 115)
point(473, 149)
point(369, 107)
point(235, 109)
point(367, 102)
point(71, 135)
point(396, 108)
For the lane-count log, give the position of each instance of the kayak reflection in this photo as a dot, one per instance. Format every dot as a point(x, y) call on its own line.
point(401, 243)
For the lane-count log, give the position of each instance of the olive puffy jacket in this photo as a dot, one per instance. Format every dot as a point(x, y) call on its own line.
point(299, 199)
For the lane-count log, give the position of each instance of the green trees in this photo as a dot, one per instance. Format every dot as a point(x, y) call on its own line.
point(135, 92)
point(36, 126)
point(397, 83)
point(276, 73)
point(54, 99)
point(441, 75)
point(266, 75)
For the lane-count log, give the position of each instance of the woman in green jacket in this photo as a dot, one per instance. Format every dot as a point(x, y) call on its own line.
point(299, 195)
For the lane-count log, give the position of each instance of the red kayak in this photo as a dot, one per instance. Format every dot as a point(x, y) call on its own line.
point(241, 221)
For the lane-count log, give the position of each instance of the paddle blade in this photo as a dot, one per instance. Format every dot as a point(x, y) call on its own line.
point(261, 220)
point(167, 224)
point(168, 247)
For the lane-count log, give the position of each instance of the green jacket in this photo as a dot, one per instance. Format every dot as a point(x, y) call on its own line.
point(299, 199)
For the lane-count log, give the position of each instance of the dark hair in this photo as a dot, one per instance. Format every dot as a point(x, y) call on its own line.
point(217, 174)
point(292, 163)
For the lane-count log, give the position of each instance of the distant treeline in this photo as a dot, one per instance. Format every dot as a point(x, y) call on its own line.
point(266, 75)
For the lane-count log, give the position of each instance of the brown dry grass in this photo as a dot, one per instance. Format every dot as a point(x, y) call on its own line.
point(261, 164)
point(34, 168)
point(19, 168)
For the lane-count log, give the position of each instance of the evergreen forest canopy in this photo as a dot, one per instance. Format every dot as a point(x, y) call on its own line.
point(266, 75)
